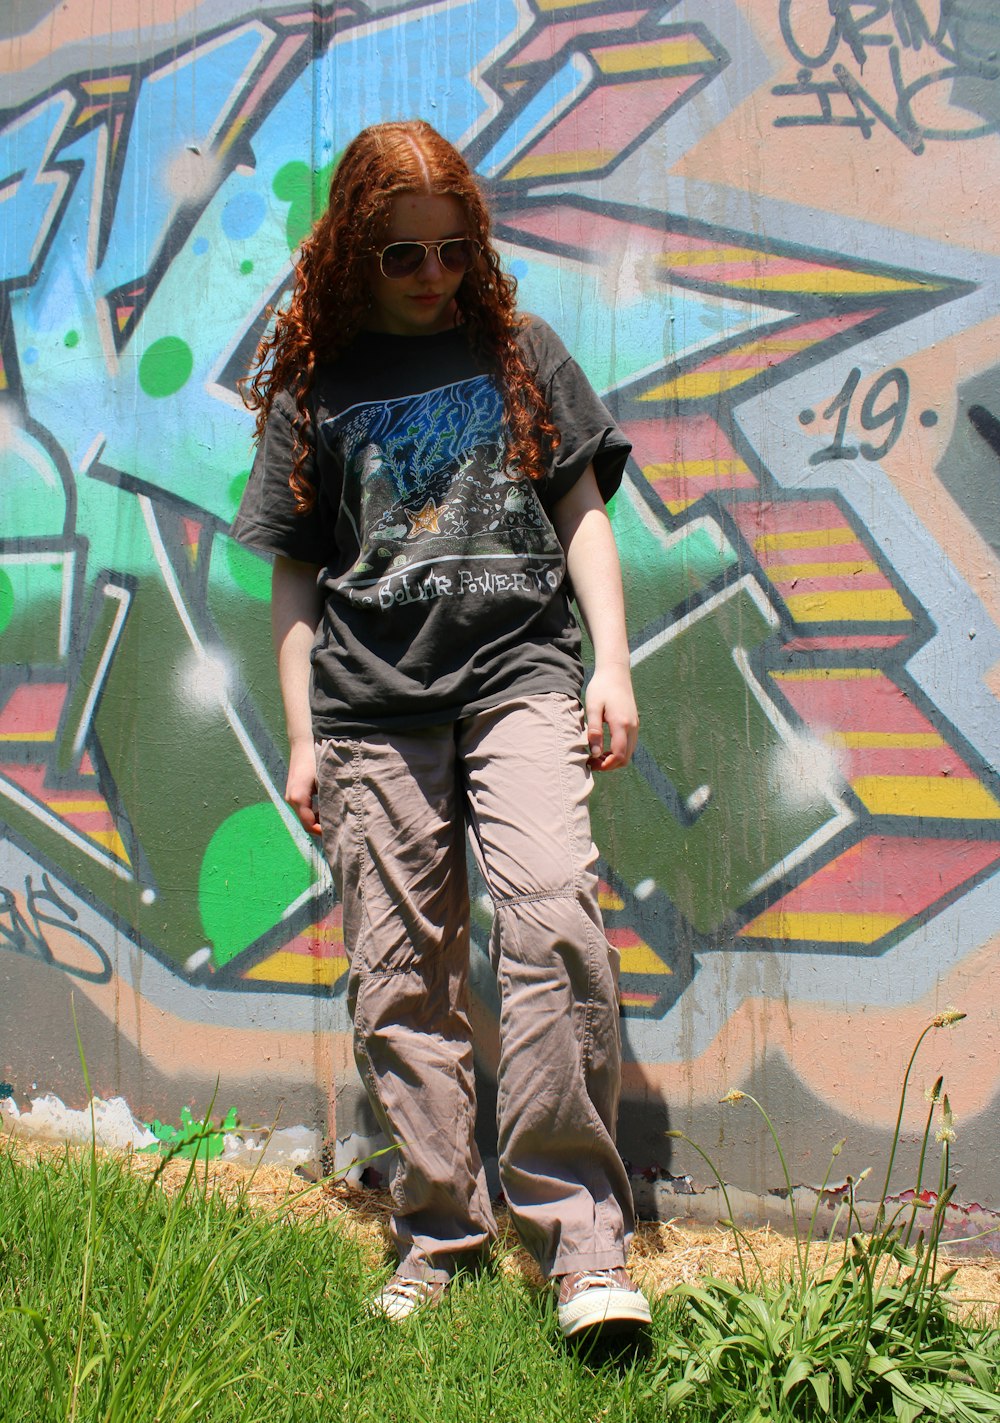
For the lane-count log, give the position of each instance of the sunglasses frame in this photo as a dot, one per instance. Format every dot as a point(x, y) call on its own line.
point(428, 247)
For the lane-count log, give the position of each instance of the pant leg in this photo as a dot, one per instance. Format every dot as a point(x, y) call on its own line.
point(393, 831)
point(527, 783)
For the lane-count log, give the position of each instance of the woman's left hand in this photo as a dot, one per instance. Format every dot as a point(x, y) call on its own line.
point(610, 702)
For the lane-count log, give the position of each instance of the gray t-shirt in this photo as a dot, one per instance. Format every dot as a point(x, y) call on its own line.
point(445, 585)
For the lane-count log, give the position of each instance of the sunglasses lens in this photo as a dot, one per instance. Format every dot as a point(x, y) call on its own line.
point(457, 255)
point(402, 259)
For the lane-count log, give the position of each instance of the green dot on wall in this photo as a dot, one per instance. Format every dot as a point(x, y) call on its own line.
point(6, 600)
point(250, 571)
point(236, 487)
point(165, 366)
point(252, 870)
point(306, 193)
point(71, 339)
point(246, 267)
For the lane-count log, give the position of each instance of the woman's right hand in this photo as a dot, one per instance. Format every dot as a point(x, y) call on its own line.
point(301, 786)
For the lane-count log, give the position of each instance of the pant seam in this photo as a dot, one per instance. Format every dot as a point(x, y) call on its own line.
point(571, 840)
point(363, 971)
point(534, 897)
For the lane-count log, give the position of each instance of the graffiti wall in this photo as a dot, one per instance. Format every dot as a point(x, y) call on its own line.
point(768, 230)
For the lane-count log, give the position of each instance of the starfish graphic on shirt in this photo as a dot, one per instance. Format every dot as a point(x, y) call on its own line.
point(425, 520)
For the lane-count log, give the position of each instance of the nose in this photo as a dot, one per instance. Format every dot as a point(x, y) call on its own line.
point(431, 268)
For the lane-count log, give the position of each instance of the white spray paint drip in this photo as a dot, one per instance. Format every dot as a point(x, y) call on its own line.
point(290, 1146)
point(644, 888)
point(198, 959)
point(805, 768)
point(352, 1154)
point(49, 1119)
point(698, 799)
point(115, 1129)
point(204, 681)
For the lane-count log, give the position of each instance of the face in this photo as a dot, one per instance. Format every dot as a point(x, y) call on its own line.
point(421, 304)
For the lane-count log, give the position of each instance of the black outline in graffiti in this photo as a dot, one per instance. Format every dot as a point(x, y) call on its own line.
point(21, 935)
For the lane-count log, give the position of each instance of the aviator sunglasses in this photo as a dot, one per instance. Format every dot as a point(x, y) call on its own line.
point(404, 259)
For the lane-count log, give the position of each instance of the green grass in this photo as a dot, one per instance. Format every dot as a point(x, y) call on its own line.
point(121, 1304)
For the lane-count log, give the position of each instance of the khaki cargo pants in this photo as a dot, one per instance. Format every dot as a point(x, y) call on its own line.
point(394, 809)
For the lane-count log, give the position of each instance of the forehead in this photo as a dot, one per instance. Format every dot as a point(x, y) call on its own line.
point(425, 217)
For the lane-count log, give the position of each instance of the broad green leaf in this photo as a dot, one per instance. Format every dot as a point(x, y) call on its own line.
point(799, 1368)
point(821, 1388)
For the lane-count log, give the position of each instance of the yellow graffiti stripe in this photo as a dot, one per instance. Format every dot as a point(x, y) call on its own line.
point(952, 798)
point(827, 282)
point(695, 469)
point(579, 160)
point(786, 572)
point(860, 607)
point(806, 538)
point(694, 385)
point(112, 841)
point(894, 739)
point(76, 807)
point(828, 674)
point(657, 54)
point(709, 256)
point(823, 928)
point(699, 384)
point(284, 967)
point(608, 899)
point(119, 84)
point(639, 958)
point(27, 736)
point(544, 5)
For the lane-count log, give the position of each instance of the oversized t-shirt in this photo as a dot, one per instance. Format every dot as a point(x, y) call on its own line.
point(445, 586)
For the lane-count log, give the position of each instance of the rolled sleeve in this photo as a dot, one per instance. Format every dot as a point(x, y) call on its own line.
point(587, 430)
point(267, 520)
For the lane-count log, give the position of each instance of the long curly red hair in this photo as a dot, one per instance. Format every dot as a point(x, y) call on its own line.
point(330, 297)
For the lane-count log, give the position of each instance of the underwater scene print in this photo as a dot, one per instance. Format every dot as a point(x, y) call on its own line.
point(426, 482)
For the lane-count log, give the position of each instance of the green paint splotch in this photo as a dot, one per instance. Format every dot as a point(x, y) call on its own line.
point(193, 1138)
point(6, 600)
point(165, 366)
point(252, 870)
point(305, 190)
point(250, 571)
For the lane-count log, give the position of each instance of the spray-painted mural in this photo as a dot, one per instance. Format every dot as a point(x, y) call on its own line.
point(769, 233)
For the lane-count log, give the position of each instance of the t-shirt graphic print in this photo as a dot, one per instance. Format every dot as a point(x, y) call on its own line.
point(436, 511)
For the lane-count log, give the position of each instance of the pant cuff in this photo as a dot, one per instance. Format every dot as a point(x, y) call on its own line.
point(568, 1262)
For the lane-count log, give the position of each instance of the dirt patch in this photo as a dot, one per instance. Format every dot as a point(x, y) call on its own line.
point(663, 1253)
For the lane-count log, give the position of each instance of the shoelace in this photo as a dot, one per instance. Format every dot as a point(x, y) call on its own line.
point(597, 1279)
point(414, 1290)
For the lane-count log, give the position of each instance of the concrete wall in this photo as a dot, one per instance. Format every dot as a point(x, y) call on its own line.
point(771, 235)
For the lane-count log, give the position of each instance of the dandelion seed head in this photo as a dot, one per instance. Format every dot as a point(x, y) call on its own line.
point(947, 1018)
point(946, 1134)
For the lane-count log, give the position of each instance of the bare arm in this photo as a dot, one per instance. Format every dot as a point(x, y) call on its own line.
point(296, 605)
point(584, 531)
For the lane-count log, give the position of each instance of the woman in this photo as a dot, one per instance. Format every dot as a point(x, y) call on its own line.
point(430, 476)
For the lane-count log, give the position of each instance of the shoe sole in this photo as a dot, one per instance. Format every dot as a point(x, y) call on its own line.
point(610, 1311)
